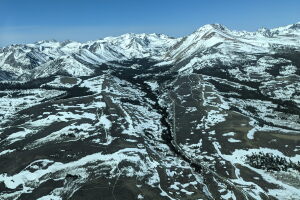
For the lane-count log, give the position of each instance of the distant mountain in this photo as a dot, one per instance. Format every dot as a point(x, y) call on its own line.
point(23, 60)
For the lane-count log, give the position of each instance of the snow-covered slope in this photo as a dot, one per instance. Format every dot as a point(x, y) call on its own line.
point(23, 60)
point(213, 115)
point(215, 44)
point(130, 46)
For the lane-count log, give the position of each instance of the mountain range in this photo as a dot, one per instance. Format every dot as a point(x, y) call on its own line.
point(45, 58)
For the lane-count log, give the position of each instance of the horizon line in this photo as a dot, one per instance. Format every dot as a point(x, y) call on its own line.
point(106, 31)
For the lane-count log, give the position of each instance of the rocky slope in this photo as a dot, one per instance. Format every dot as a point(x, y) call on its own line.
point(213, 115)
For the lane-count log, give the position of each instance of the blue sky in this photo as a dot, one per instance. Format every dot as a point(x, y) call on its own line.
point(24, 21)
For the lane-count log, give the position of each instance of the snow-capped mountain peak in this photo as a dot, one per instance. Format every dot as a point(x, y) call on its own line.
point(292, 29)
point(212, 27)
point(130, 46)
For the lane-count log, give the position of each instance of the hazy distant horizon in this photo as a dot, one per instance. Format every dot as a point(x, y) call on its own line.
point(30, 21)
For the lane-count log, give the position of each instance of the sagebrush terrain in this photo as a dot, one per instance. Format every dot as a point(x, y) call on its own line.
point(213, 115)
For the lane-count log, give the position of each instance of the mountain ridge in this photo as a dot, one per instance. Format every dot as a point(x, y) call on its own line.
point(16, 59)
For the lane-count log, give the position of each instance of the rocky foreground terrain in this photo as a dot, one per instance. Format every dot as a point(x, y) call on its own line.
point(213, 115)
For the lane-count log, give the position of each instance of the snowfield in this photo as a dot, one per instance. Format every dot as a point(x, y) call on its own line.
point(212, 115)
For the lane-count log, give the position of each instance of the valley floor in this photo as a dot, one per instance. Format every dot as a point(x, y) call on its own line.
point(139, 133)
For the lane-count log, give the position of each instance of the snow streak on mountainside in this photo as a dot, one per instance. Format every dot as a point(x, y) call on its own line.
point(212, 115)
